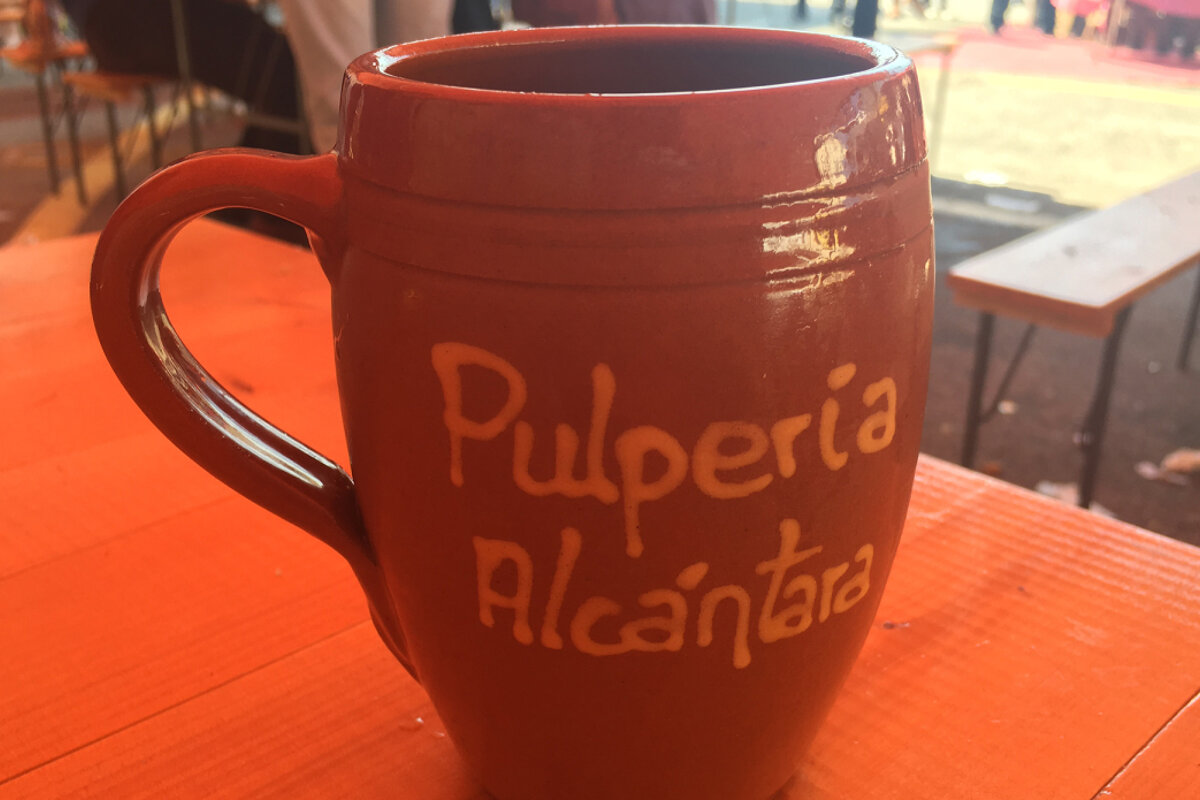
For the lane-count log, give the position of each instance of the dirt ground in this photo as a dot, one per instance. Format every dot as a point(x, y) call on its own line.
point(1034, 130)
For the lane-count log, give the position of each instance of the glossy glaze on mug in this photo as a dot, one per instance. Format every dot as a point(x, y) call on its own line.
point(632, 385)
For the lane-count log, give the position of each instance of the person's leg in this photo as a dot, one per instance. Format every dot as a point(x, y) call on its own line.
point(325, 37)
point(1135, 28)
point(235, 50)
point(865, 14)
point(1191, 33)
point(1045, 17)
point(406, 21)
point(231, 48)
point(131, 36)
point(996, 20)
point(473, 15)
point(1169, 28)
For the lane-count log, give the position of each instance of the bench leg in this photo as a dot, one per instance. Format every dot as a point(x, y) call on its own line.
point(114, 142)
point(1092, 435)
point(43, 96)
point(983, 351)
point(72, 119)
point(1189, 327)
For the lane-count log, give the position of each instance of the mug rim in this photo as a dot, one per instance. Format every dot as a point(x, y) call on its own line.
point(624, 152)
point(374, 67)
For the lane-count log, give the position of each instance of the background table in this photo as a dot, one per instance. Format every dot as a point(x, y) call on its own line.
point(162, 637)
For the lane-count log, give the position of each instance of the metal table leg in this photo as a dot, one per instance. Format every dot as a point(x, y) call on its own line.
point(114, 142)
point(43, 96)
point(983, 349)
point(1189, 327)
point(1092, 435)
point(73, 140)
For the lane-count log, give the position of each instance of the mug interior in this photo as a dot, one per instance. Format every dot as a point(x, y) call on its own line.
point(631, 66)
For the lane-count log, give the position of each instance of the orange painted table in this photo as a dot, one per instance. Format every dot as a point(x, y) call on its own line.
point(163, 637)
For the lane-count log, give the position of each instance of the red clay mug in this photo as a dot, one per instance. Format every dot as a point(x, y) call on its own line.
point(633, 328)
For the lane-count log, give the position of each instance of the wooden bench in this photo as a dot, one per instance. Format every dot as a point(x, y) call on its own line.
point(46, 62)
point(1082, 276)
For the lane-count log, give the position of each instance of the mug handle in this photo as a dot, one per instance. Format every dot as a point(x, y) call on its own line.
point(179, 396)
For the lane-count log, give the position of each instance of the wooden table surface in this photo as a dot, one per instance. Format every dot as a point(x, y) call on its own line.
point(163, 637)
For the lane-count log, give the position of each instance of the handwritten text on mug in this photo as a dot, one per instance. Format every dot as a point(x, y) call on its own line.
point(815, 595)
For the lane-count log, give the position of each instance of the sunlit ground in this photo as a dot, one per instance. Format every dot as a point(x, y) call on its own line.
point(1091, 129)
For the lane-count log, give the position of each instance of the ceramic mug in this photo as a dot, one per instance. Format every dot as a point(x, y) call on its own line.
point(632, 330)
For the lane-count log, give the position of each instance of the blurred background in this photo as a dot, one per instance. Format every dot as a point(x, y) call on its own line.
point(1036, 112)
